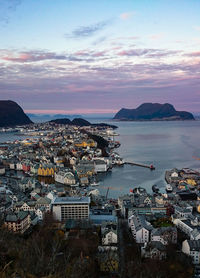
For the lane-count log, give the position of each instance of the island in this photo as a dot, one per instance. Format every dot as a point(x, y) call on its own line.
point(153, 112)
point(11, 114)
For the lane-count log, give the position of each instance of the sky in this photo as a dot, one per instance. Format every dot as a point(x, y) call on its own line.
point(97, 56)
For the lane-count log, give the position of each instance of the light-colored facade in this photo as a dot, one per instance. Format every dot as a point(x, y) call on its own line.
point(109, 238)
point(64, 208)
point(140, 228)
point(100, 166)
point(65, 177)
point(192, 249)
point(18, 223)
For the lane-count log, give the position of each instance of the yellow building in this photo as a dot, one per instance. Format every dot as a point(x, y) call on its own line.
point(191, 182)
point(46, 170)
point(86, 143)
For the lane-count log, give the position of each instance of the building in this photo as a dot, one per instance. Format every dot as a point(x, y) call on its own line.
point(100, 166)
point(140, 228)
point(189, 226)
point(154, 250)
point(18, 222)
point(85, 169)
point(109, 233)
point(192, 249)
point(65, 177)
point(165, 235)
point(183, 212)
point(65, 208)
point(85, 143)
point(46, 170)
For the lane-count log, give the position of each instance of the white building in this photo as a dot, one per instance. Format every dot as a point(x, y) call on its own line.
point(140, 228)
point(174, 174)
point(100, 166)
point(65, 177)
point(40, 213)
point(192, 249)
point(189, 226)
point(109, 237)
point(19, 166)
point(71, 208)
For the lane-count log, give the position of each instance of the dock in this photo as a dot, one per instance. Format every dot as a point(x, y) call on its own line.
point(151, 167)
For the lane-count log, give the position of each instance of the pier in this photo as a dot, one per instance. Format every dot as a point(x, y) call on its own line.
point(151, 167)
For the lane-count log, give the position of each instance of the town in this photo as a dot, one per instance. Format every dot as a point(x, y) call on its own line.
point(50, 179)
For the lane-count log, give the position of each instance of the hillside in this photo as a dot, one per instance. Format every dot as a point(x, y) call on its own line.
point(11, 114)
point(81, 122)
point(153, 111)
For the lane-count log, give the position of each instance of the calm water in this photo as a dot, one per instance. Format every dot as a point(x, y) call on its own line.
point(165, 144)
point(11, 136)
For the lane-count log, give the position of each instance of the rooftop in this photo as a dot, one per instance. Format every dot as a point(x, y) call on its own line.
point(71, 200)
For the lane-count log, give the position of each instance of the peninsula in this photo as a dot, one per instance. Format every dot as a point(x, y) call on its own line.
point(153, 112)
point(81, 122)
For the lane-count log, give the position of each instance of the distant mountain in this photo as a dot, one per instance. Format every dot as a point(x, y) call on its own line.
point(80, 122)
point(153, 111)
point(48, 117)
point(64, 121)
point(11, 114)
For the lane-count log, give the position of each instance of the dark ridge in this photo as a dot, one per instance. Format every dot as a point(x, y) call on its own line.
point(64, 121)
point(81, 122)
point(11, 114)
point(153, 111)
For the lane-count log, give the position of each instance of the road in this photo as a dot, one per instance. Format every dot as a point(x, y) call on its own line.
point(122, 266)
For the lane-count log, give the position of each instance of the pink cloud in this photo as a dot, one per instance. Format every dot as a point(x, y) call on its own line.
point(125, 16)
point(25, 57)
point(81, 53)
point(194, 54)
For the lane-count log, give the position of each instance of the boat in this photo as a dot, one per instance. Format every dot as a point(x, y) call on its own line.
point(155, 188)
point(94, 183)
point(168, 188)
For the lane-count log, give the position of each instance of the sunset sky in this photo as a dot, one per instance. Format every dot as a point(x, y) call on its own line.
point(96, 56)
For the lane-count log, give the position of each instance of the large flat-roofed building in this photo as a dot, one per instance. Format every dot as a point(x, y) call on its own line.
point(71, 208)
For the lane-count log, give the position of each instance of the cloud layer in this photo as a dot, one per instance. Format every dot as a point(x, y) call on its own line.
point(88, 31)
point(101, 79)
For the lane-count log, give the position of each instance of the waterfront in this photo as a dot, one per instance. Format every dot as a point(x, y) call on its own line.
point(165, 144)
point(11, 136)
